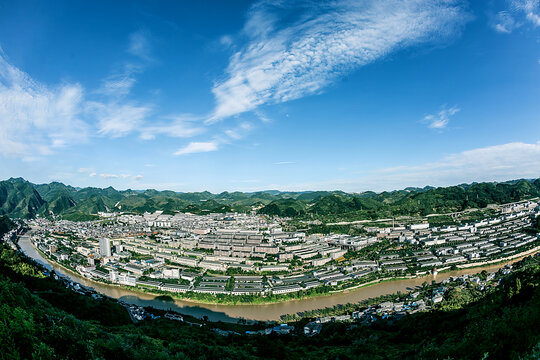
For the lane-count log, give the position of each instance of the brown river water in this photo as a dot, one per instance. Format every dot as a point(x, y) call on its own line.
point(232, 313)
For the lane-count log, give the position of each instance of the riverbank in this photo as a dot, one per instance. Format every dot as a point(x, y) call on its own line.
point(90, 322)
point(265, 302)
point(256, 300)
point(232, 313)
point(231, 300)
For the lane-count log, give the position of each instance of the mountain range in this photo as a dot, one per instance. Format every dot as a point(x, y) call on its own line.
point(22, 199)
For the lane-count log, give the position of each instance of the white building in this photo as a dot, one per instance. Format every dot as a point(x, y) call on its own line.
point(105, 247)
point(419, 226)
point(113, 274)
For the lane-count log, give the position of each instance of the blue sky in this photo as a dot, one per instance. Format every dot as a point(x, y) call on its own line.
point(350, 95)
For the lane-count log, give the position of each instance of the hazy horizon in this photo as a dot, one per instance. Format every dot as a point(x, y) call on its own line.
point(270, 190)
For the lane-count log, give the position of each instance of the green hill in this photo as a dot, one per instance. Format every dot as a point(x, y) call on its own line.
point(419, 202)
point(20, 198)
point(284, 207)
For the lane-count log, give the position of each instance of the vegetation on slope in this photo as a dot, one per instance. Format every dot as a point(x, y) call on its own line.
point(5, 225)
point(41, 319)
point(407, 203)
point(21, 199)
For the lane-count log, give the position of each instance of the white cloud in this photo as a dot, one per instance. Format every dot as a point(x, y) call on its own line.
point(36, 119)
point(226, 41)
point(325, 40)
point(239, 131)
point(85, 170)
point(114, 176)
point(493, 163)
point(120, 84)
point(530, 8)
point(262, 116)
point(118, 120)
point(109, 176)
point(197, 147)
point(139, 45)
point(441, 119)
point(284, 162)
point(180, 126)
point(518, 13)
point(504, 22)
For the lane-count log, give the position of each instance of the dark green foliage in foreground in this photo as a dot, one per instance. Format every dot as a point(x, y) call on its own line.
point(5, 225)
point(40, 319)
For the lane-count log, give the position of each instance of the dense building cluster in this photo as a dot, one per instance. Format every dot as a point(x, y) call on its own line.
point(248, 254)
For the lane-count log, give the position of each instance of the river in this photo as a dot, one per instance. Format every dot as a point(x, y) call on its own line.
point(232, 313)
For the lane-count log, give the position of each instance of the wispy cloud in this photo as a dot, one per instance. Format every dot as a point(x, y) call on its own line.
point(288, 60)
point(120, 84)
point(441, 119)
point(493, 163)
point(198, 147)
point(139, 45)
point(183, 126)
point(226, 41)
point(530, 8)
point(504, 22)
point(227, 136)
point(239, 131)
point(262, 116)
point(517, 14)
point(116, 120)
point(36, 119)
point(499, 162)
point(284, 162)
point(109, 176)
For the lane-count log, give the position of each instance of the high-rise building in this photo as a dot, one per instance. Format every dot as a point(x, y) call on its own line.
point(113, 274)
point(105, 247)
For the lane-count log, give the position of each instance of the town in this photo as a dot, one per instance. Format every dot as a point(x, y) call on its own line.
point(237, 254)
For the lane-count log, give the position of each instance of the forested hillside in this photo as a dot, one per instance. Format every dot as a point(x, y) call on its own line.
point(416, 202)
point(5, 225)
point(22, 199)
